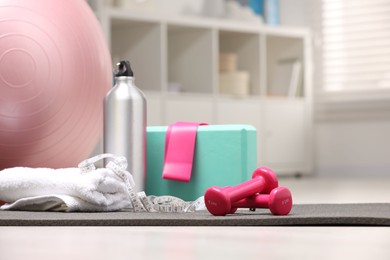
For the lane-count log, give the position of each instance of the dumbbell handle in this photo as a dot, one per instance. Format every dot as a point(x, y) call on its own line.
point(255, 185)
point(246, 189)
point(255, 201)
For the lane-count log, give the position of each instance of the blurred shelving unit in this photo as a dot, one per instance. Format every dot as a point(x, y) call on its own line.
point(175, 59)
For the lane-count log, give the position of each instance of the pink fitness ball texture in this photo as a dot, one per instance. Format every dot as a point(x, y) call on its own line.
point(55, 69)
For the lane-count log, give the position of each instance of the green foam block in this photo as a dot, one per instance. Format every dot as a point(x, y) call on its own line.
point(225, 155)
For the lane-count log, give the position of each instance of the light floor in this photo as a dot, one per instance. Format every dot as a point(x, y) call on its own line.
point(116, 243)
point(314, 190)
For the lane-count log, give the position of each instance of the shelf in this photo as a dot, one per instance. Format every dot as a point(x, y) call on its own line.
point(286, 31)
point(117, 13)
point(131, 40)
point(189, 108)
point(206, 22)
point(190, 59)
point(285, 65)
point(155, 107)
point(176, 64)
point(246, 47)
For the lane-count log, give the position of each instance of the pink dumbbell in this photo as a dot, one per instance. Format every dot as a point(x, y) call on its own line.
point(219, 200)
point(279, 201)
point(232, 210)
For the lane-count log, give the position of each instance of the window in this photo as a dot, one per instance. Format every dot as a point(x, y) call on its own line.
point(355, 45)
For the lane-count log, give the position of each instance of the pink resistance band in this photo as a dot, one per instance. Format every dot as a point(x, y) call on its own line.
point(179, 151)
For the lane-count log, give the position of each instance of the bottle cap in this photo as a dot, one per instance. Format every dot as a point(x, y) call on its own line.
point(123, 69)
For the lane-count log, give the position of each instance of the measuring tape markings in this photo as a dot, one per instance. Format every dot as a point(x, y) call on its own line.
point(140, 202)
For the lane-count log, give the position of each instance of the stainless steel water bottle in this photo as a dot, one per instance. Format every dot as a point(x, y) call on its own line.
point(125, 123)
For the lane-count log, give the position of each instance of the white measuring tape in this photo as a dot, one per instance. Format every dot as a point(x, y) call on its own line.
point(140, 202)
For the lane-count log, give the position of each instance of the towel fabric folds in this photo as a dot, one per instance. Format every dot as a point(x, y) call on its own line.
point(69, 189)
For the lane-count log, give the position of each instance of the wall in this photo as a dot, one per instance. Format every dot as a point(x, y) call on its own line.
point(352, 147)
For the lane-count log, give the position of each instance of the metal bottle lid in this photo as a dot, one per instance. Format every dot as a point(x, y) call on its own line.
point(123, 69)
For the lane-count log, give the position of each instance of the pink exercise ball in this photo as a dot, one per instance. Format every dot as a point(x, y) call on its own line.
point(55, 69)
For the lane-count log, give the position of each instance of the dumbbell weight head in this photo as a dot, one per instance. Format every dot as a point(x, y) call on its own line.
point(232, 210)
point(279, 201)
point(219, 200)
point(269, 176)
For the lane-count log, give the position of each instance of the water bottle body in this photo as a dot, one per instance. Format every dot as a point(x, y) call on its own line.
point(125, 127)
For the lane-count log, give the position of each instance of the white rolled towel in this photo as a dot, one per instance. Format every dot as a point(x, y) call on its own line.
point(67, 189)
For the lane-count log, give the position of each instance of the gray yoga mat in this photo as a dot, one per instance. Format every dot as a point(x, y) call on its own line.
point(301, 215)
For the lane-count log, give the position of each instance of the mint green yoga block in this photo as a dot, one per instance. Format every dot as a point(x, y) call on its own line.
point(225, 155)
